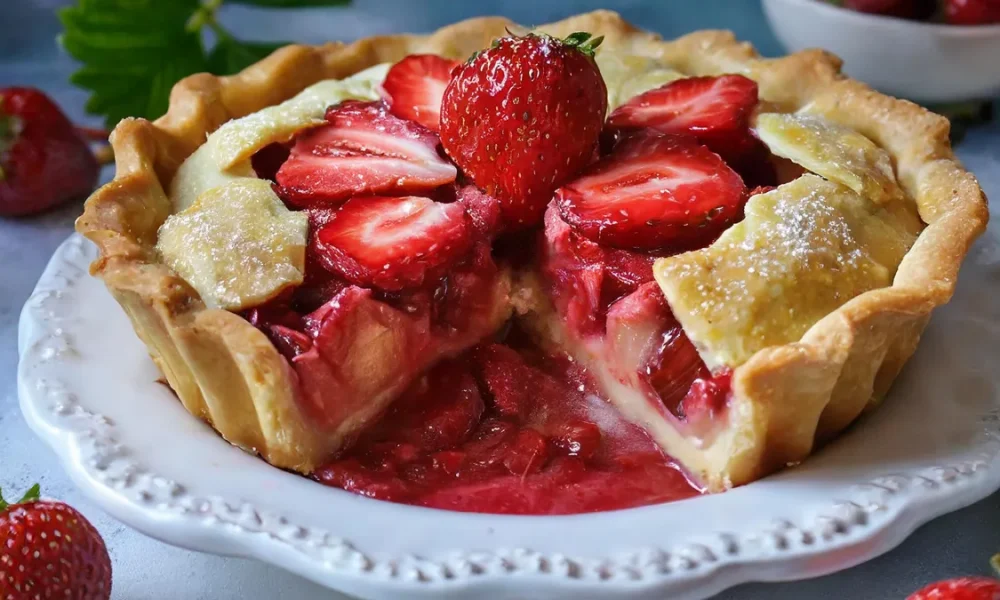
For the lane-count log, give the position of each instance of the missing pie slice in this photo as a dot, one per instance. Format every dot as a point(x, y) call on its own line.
point(446, 283)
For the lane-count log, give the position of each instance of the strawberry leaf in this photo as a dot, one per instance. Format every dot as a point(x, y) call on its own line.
point(132, 53)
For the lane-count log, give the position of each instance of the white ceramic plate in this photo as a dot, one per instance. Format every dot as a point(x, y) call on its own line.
point(89, 389)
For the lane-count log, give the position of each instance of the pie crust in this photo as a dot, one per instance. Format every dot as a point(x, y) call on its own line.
point(791, 397)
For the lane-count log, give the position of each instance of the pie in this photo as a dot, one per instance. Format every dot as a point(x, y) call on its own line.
point(584, 269)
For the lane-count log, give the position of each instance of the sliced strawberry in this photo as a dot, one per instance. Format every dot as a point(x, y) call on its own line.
point(654, 192)
point(573, 267)
point(483, 209)
point(394, 243)
point(363, 150)
point(414, 86)
point(716, 110)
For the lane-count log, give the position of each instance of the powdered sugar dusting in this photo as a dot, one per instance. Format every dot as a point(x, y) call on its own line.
point(237, 244)
point(802, 251)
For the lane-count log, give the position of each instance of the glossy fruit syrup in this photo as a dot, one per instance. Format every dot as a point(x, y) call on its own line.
point(507, 429)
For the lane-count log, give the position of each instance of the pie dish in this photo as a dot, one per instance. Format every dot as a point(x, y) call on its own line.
point(802, 313)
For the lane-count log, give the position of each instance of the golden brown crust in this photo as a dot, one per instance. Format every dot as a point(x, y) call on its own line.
point(226, 372)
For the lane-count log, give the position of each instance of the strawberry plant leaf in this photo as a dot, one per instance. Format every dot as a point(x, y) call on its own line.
point(129, 49)
point(134, 51)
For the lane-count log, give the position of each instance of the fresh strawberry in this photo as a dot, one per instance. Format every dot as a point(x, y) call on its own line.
point(961, 588)
point(904, 9)
point(50, 550)
point(972, 12)
point(394, 243)
point(652, 192)
point(523, 117)
point(414, 86)
point(716, 110)
point(364, 150)
point(43, 160)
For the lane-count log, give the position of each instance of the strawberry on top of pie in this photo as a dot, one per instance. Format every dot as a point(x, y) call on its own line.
point(711, 259)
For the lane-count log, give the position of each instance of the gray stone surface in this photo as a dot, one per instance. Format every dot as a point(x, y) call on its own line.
point(145, 569)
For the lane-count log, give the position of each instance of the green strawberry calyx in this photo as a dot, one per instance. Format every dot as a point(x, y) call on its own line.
point(33, 493)
point(584, 42)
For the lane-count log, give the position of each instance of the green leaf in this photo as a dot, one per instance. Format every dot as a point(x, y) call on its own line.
point(129, 49)
point(291, 3)
point(232, 56)
point(134, 51)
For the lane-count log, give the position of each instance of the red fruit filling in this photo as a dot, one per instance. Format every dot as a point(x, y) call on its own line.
point(542, 445)
point(608, 300)
point(363, 150)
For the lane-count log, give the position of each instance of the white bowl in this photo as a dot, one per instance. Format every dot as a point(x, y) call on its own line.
point(927, 62)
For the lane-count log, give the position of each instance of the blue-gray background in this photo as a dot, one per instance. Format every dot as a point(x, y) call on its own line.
point(148, 570)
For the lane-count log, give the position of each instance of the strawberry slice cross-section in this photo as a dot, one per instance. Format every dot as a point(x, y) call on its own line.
point(414, 86)
point(363, 150)
point(394, 243)
point(654, 192)
point(716, 110)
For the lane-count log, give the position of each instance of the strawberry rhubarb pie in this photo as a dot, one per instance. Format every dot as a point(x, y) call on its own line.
point(563, 270)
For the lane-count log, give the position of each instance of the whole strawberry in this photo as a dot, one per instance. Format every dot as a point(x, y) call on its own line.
point(972, 12)
point(43, 160)
point(50, 550)
point(523, 117)
point(960, 588)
